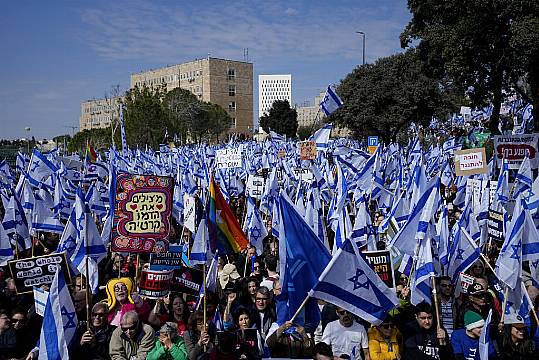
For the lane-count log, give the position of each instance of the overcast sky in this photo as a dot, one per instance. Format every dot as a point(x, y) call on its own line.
point(55, 54)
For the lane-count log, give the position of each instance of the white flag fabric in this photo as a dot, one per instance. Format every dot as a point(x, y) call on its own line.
point(331, 101)
point(350, 283)
point(59, 322)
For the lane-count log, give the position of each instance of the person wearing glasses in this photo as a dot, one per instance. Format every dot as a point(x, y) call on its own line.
point(385, 341)
point(132, 340)
point(514, 342)
point(8, 337)
point(424, 341)
point(265, 311)
point(448, 310)
point(346, 337)
point(93, 343)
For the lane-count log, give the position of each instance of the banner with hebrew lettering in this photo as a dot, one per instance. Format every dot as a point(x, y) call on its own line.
point(142, 209)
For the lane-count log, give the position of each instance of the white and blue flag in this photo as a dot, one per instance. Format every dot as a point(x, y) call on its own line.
point(331, 101)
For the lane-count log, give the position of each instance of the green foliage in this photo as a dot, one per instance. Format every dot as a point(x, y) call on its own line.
point(145, 118)
point(281, 118)
point(100, 139)
point(182, 107)
point(486, 47)
point(383, 98)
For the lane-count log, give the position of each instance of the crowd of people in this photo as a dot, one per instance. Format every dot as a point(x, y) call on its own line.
point(240, 320)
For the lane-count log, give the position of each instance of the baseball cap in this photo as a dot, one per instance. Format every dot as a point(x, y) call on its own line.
point(476, 289)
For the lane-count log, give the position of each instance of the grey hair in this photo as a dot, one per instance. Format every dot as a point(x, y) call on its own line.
point(130, 315)
point(169, 328)
point(101, 305)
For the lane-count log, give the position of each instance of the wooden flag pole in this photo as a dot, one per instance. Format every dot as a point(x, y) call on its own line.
point(436, 308)
point(300, 307)
point(87, 281)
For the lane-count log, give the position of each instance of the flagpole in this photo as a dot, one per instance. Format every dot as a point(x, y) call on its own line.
point(204, 298)
point(436, 308)
point(300, 307)
point(87, 282)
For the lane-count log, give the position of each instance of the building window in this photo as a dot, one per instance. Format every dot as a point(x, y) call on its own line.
point(234, 122)
point(231, 90)
point(231, 74)
point(232, 106)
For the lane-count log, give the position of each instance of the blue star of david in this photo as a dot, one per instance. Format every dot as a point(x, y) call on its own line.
point(459, 254)
point(76, 174)
point(357, 283)
point(249, 217)
point(516, 249)
point(70, 318)
point(255, 233)
point(35, 165)
point(80, 226)
point(508, 307)
point(535, 263)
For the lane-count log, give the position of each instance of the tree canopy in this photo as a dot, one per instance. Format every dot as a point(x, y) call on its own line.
point(488, 48)
point(281, 118)
point(383, 98)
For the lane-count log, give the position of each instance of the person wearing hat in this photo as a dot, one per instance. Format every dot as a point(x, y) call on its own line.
point(478, 300)
point(465, 342)
point(229, 273)
point(514, 342)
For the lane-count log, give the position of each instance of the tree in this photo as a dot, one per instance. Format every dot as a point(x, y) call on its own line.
point(99, 138)
point(485, 47)
point(219, 120)
point(383, 98)
point(281, 118)
point(182, 106)
point(145, 119)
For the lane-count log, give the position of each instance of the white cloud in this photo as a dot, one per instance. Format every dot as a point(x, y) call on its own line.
point(290, 11)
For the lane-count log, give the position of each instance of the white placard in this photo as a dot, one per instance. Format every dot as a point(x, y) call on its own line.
point(228, 158)
point(40, 300)
point(255, 186)
point(189, 212)
point(474, 188)
point(304, 174)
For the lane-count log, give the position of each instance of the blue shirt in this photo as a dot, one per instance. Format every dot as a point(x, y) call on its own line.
point(467, 346)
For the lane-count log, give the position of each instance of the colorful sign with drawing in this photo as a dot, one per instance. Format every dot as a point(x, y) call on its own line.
point(142, 209)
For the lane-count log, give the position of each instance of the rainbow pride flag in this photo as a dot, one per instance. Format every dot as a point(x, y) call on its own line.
point(224, 229)
point(91, 156)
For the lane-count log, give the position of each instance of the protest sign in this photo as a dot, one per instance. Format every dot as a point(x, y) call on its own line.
point(154, 284)
point(228, 158)
point(37, 271)
point(495, 225)
point(303, 174)
point(463, 283)
point(474, 189)
point(307, 150)
point(174, 258)
point(187, 280)
point(255, 186)
point(470, 161)
point(372, 142)
point(189, 212)
point(281, 154)
point(514, 148)
point(142, 209)
point(380, 262)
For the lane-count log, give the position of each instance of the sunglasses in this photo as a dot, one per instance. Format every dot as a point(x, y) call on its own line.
point(446, 285)
point(386, 326)
point(94, 314)
point(132, 327)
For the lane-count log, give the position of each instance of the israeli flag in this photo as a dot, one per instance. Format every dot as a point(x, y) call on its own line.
point(350, 283)
point(59, 322)
point(6, 252)
point(331, 101)
point(421, 287)
point(321, 137)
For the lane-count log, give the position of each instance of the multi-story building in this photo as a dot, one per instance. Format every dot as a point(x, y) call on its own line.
point(98, 113)
point(271, 88)
point(227, 83)
point(307, 114)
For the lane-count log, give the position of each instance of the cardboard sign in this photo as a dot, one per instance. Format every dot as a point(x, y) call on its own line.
point(281, 154)
point(187, 280)
point(307, 150)
point(189, 212)
point(470, 161)
point(495, 225)
point(464, 283)
point(174, 258)
point(228, 158)
point(37, 271)
point(154, 284)
point(142, 209)
point(255, 186)
point(514, 148)
point(380, 262)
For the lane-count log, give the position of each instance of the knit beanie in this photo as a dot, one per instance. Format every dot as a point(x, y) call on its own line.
point(473, 320)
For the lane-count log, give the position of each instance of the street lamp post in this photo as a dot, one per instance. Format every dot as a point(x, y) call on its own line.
point(362, 34)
